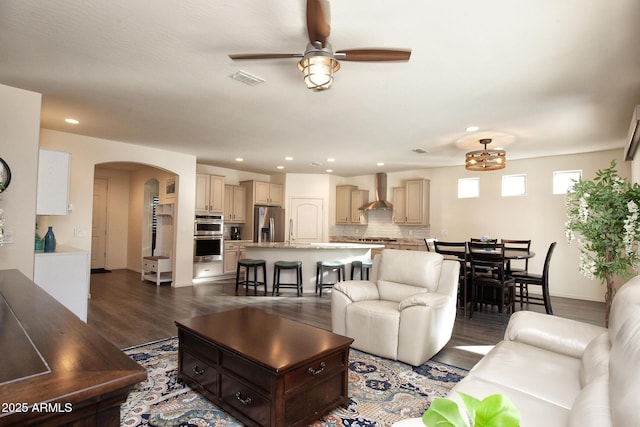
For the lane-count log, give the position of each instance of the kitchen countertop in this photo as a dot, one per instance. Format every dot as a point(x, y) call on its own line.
point(299, 245)
point(390, 241)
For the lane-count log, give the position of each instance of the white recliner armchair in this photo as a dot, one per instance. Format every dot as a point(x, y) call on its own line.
point(406, 310)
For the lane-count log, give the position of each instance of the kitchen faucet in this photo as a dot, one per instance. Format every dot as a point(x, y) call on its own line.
point(290, 230)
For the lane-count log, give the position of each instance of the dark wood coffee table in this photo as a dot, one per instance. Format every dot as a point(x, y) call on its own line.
point(264, 369)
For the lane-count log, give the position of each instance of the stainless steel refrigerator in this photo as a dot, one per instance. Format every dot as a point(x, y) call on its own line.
point(268, 224)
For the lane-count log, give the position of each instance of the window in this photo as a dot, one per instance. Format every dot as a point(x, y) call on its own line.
point(563, 180)
point(514, 185)
point(468, 188)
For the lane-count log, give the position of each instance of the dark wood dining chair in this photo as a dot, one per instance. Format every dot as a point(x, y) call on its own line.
point(522, 265)
point(490, 283)
point(457, 250)
point(523, 280)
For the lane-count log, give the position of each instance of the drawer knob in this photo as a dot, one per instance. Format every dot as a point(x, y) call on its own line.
point(242, 400)
point(317, 371)
point(197, 370)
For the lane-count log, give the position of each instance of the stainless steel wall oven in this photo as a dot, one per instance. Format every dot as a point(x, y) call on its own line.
point(208, 243)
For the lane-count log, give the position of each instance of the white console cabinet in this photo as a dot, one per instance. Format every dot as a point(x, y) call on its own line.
point(156, 269)
point(64, 274)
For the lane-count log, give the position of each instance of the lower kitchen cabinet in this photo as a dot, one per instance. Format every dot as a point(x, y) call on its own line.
point(233, 251)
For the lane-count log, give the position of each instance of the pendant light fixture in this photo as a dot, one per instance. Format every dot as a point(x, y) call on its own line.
point(485, 160)
point(318, 66)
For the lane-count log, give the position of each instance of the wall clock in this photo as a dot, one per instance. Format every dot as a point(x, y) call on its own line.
point(5, 175)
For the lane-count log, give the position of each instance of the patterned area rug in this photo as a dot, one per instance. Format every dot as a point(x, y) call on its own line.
point(381, 392)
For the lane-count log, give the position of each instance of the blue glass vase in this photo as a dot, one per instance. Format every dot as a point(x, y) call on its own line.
point(50, 241)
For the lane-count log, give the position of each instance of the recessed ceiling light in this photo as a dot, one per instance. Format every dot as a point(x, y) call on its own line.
point(329, 170)
point(379, 164)
point(71, 121)
point(288, 158)
point(280, 167)
point(472, 129)
point(239, 159)
point(331, 159)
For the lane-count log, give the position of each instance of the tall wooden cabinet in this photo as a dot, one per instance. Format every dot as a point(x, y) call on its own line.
point(235, 204)
point(209, 194)
point(411, 202)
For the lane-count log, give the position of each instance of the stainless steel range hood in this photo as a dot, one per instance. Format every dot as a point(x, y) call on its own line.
point(381, 194)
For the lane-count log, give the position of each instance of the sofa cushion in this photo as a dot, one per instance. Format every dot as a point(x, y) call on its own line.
point(595, 359)
point(591, 407)
point(393, 291)
point(543, 374)
point(374, 327)
point(415, 268)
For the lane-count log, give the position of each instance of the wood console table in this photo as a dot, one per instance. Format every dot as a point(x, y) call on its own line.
point(56, 370)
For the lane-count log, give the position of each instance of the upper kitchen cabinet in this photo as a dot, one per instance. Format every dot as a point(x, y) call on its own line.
point(343, 203)
point(349, 200)
point(264, 193)
point(359, 198)
point(411, 202)
point(209, 194)
point(399, 205)
point(234, 203)
point(53, 182)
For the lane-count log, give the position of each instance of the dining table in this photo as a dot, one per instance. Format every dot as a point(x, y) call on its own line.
point(459, 253)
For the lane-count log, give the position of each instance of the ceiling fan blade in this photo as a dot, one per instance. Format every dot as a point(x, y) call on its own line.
point(264, 55)
point(318, 21)
point(374, 55)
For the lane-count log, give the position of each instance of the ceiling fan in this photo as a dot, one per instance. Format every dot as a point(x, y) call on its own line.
point(319, 62)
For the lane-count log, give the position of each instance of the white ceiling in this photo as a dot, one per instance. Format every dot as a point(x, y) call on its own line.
point(540, 77)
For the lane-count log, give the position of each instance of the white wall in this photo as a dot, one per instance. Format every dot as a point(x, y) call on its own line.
point(539, 216)
point(86, 152)
point(19, 133)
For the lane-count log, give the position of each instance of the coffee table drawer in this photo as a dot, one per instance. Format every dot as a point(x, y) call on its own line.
point(199, 371)
point(246, 400)
point(202, 349)
point(314, 371)
point(248, 371)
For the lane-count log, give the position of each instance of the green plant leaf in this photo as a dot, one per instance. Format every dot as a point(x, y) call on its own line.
point(443, 413)
point(496, 411)
point(471, 403)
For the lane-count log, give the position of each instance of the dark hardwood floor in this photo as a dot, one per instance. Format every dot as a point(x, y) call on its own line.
point(128, 311)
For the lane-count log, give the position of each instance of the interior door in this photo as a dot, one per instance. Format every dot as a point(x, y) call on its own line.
point(99, 223)
point(307, 216)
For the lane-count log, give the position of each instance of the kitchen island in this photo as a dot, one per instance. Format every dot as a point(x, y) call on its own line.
point(308, 254)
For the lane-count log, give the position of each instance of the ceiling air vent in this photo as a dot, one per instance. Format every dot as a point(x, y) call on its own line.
point(246, 78)
point(419, 151)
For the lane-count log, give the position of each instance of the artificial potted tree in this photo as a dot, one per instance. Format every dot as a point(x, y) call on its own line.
point(604, 220)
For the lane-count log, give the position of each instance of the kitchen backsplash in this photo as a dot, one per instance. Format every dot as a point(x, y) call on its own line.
point(379, 225)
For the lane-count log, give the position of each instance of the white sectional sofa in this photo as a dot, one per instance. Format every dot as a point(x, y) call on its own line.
point(560, 372)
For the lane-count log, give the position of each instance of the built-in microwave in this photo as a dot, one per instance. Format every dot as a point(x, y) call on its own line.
point(208, 225)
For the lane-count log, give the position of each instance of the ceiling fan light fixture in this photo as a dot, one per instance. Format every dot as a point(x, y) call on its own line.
point(485, 160)
point(318, 68)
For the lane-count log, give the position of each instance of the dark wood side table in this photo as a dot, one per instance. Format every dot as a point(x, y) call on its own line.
point(263, 369)
point(56, 370)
